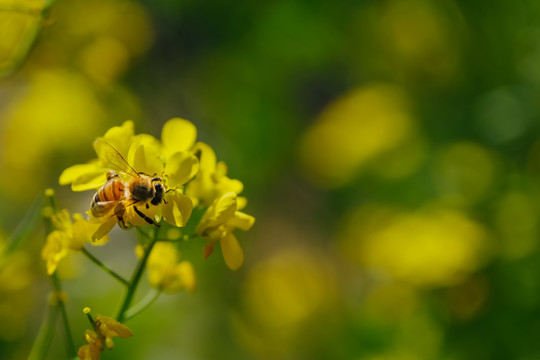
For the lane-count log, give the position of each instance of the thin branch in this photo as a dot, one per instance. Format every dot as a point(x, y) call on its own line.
point(70, 346)
point(136, 277)
point(104, 267)
point(142, 305)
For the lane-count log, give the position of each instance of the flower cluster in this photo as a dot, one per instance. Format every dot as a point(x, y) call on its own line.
point(68, 237)
point(140, 180)
point(191, 176)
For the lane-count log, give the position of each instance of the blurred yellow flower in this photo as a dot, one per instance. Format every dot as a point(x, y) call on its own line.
point(69, 236)
point(46, 105)
point(93, 349)
point(166, 273)
point(16, 293)
point(353, 131)
point(434, 246)
point(108, 328)
point(218, 223)
point(105, 328)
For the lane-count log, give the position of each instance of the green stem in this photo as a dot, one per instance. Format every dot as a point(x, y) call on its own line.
point(45, 335)
point(104, 267)
point(136, 277)
point(142, 305)
point(70, 347)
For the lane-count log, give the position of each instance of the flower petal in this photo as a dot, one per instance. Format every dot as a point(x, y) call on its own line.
point(103, 230)
point(178, 135)
point(82, 232)
point(232, 252)
point(120, 137)
point(221, 210)
point(177, 209)
point(132, 217)
point(144, 155)
point(55, 249)
point(89, 352)
point(241, 220)
point(180, 168)
point(84, 177)
point(206, 155)
point(109, 327)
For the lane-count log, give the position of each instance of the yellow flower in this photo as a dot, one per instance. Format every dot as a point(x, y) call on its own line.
point(108, 328)
point(168, 160)
point(166, 273)
point(211, 181)
point(69, 236)
point(218, 223)
point(105, 328)
point(175, 166)
point(92, 350)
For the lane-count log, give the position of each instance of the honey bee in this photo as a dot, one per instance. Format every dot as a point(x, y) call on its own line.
point(111, 201)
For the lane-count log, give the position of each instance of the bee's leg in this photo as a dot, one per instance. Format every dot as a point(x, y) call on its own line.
point(121, 222)
point(146, 218)
point(169, 190)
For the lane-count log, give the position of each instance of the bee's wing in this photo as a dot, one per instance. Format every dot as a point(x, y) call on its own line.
point(113, 158)
point(102, 210)
point(104, 229)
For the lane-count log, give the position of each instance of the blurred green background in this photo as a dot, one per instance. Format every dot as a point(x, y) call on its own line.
point(389, 152)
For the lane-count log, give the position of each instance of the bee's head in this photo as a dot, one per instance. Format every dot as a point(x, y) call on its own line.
point(159, 191)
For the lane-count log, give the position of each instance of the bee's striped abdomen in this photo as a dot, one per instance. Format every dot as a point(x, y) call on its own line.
point(113, 190)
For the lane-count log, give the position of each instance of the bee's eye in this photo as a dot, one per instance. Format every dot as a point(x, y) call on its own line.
point(158, 186)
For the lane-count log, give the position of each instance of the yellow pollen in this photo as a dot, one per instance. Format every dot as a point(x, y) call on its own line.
point(86, 310)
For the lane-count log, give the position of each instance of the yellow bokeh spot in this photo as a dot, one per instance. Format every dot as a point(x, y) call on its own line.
point(105, 59)
point(353, 131)
point(287, 289)
point(430, 247)
point(58, 111)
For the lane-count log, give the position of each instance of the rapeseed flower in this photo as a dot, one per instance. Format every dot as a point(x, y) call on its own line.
point(105, 328)
point(69, 237)
point(217, 225)
point(147, 155)
point(211, 181)
point(165, 272)
point(191, 176)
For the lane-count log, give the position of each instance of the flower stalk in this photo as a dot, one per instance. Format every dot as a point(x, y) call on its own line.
point(45, 335)
point(136, 277)
point(59, 295)
point(104, 267)
point(142, 305)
